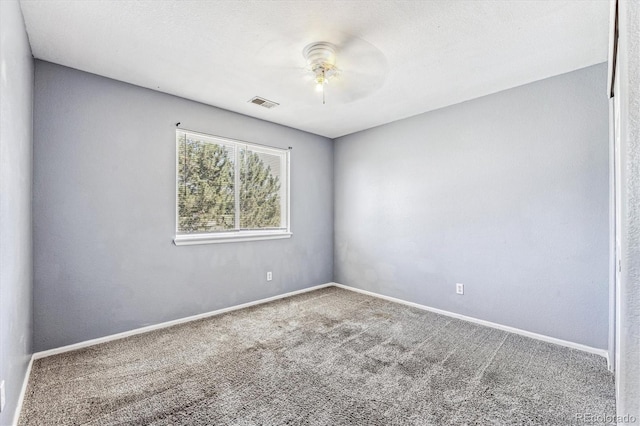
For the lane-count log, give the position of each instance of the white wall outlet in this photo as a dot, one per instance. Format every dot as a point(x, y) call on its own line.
point(2, 398)
point(269, 276)
point(459, 288)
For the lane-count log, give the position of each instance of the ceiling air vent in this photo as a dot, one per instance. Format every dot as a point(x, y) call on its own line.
point(263, 102)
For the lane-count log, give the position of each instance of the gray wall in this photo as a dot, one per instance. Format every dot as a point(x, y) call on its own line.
point(16, 144)
point(104, 211)
point(507, 194)
point(628, 97)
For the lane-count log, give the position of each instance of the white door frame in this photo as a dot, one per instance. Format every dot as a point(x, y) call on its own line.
point(614, 189)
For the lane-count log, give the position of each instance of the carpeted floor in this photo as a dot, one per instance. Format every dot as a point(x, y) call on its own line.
point(328, 357)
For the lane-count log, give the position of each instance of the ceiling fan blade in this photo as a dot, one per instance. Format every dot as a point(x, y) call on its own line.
point(357, 54)
point(350, 87)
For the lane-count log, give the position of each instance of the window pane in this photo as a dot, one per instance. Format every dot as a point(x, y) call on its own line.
point(206, 200)
point(260, 189)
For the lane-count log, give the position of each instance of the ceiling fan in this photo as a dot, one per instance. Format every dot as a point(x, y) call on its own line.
point(343, 68)
point(321, 59)
point(354, 67)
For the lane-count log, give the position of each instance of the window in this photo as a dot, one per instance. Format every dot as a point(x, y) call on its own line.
point(230, 190)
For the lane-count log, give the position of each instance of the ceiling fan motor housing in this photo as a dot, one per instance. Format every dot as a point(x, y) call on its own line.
point(320, 53)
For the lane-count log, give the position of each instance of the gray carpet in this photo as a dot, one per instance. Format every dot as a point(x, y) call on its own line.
point(329, 357)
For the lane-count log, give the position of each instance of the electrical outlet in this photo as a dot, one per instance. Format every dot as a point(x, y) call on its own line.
point(2, 398)
point(269, 276)
point(459, 288)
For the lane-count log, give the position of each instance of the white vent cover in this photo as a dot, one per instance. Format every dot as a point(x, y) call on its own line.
point(263, 102)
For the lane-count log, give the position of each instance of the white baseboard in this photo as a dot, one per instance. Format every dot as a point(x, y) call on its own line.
point(602, 352)
point(166, 324)
point(23, 392)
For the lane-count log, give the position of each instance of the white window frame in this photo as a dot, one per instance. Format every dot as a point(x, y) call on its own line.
point(237, 235)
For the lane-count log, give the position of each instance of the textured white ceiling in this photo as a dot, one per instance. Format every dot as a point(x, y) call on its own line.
point(427, 54)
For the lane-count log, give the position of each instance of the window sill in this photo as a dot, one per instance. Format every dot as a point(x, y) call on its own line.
point(229, 237)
